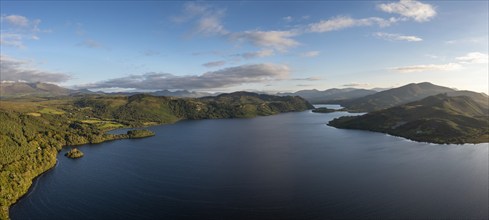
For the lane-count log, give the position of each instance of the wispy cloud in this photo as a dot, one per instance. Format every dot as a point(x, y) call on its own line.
point(460, 62)
point(469, 40)
point(10, 39)
point(90, 43)
point(288, 18)
point(16, 20)
point(260, 53)
point(313, 53)
point(278, 40)
point(206, 19)
point(473, 57)
point(17, 28)
point(397, 37)
point(24, 70)
point(150, 53)
point(214, 64)
point(411, 9)
point(307, 79)
point(226, 77)
point(342, 22)
point(428, 67)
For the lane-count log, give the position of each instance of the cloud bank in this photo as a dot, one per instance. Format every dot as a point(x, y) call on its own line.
point(226, 77)
point(21, 70)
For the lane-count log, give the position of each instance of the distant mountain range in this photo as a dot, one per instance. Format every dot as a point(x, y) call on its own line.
point(20, 89)
point(178, 93)
point(405, 94)
point(436, 119)
point(354, 100)
point(330, 96)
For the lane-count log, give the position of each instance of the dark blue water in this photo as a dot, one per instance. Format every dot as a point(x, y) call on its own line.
point(288, 166)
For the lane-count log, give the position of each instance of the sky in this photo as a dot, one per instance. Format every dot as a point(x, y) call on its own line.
point(224, 46)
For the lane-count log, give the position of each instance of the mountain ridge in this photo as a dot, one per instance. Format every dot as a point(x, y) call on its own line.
point(437, 119)
point(404, 94)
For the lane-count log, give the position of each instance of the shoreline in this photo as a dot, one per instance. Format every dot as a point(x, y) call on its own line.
point(117, 137)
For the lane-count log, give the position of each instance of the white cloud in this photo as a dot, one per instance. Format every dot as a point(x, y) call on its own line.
point(214, 63)
point(207, 19)
point(473, 57)
point(226, 77)
point(17, 28)
point(278, 40)
point(211, 25)
point(24, 70)
point(260, 53)
point(428, 67)
point(343, 22)
point(313, 53)
point(418, 11)
point(397, 37)
point(16, 20)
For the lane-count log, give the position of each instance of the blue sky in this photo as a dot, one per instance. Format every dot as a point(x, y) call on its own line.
point(222, 46)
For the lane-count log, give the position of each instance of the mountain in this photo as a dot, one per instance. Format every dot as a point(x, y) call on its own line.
point(180, 93)
point(331, 95)
point(139, 109)
point(436, 119)
point(395, 96)
point(20, 89)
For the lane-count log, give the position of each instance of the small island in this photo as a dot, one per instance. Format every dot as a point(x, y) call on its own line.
point(323, 110)
point(140, 133)
point(74, 153)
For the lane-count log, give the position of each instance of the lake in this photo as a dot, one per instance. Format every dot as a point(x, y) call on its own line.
point(287, 166)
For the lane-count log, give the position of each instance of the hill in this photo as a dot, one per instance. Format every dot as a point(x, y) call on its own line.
point(330, 96)
point(436, 119)
point(144, 108)
point(393, 97)
point(20, 89)
point(177, 93)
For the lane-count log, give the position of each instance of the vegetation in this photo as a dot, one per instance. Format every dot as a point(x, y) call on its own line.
point(331, 96)
point(436, 119)
point(323, 110)
point(33, 130)
point(140, 133)
point(405, 94)
point(74, 153)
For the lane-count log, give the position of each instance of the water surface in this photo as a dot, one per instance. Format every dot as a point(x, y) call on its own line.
point(287, 166)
